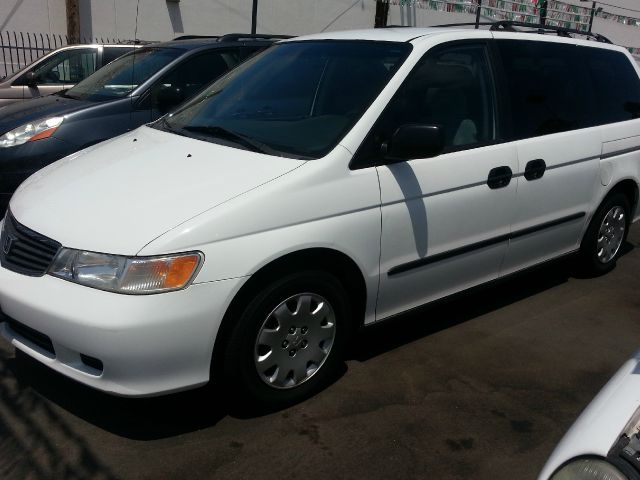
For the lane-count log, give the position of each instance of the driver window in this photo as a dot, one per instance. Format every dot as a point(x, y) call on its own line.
point(68, 67)
point(191, 76)
point(450, 87)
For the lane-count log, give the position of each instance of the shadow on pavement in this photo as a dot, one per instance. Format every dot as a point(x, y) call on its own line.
point(135, 418)
point(35, 441)
point(465, 306)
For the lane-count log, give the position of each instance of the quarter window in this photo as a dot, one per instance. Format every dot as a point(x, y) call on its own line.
point(616, 84)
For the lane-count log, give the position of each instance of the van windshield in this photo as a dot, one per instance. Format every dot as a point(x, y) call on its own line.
point(296, 99)
point(123, 75)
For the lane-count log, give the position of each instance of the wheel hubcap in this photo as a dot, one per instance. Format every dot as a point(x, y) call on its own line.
point(295, 340)
point(611, 234)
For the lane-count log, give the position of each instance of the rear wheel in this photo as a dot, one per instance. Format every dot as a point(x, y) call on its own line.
point(289, 340)
point(607, 232)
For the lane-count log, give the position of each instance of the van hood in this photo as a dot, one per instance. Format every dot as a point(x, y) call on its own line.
point(118, 196)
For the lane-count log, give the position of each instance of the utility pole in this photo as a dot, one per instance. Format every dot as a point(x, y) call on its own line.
point(382, 13)
point(543, 12)
point(478, 9)
point(593, 14)
point(73, 21)
point(254, 16)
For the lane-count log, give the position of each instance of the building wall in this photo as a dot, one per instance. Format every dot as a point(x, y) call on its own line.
point(165, 19)
point(35, 16)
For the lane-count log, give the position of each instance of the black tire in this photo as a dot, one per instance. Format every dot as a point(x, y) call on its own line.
point(590, 262)
point(239, 365)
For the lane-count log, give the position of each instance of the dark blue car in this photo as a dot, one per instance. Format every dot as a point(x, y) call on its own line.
point(135, 89)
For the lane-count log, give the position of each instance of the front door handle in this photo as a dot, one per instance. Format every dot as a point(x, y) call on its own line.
point(499, 177)
point(535, 169)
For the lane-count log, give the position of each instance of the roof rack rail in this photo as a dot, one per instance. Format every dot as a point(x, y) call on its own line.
point(464, 24)
point(508, 26)
point(237, 37)
point(193, 37)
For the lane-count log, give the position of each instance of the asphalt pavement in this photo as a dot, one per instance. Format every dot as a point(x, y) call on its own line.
point(481, 386)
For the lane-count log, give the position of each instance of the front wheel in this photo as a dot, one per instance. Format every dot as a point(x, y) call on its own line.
point(289, 340)
point(605, 235)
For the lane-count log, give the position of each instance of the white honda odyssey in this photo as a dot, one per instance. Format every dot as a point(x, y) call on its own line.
point(332, 181)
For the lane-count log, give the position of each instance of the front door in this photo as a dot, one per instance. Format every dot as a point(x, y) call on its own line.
point(445, 219)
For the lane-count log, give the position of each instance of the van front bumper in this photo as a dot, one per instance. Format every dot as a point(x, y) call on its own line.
point(144, 344)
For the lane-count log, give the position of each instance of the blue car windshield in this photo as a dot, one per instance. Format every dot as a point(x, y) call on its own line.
point(123, 75)
point(296, 99)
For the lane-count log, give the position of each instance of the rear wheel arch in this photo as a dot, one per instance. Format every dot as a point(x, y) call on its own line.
point(629, 188)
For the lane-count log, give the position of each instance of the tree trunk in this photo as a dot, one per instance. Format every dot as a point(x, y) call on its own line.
point(73, 21)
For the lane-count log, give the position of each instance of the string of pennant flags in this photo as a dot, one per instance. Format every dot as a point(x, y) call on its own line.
point(569, 16)
point(558, 13)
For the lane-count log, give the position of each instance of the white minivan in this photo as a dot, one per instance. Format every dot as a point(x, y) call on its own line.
point(330, 182)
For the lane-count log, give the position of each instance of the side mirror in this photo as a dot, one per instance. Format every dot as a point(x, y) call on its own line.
point(414, 141)
point(168, 97)
point(30, 79)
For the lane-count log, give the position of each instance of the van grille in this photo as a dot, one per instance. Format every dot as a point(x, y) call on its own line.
point(24, 251)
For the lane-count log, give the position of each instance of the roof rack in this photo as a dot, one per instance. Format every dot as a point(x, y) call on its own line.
point(238, 37)
point(464, 24)
point(510, 26)
point(193, 37)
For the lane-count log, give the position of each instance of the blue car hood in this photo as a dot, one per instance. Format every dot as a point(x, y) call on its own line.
point(19, 113)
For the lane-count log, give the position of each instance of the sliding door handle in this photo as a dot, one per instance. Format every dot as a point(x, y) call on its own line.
point(499, 177)
point(535, 169)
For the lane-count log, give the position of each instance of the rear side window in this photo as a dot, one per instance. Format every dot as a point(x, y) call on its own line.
point(616, 85)
point(190, 76)
point(545, 86)
point(109, 54)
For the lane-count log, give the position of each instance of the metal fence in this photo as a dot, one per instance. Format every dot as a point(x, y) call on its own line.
point(19, 49)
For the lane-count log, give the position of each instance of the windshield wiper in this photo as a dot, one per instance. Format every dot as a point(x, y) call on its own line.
point(221, 132)
point(162, 124)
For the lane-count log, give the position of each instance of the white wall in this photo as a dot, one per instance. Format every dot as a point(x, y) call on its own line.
point(310, 16)
point(163, 20)
point(34, 16)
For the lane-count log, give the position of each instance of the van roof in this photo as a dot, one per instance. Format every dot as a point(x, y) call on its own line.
point(389, 34)
point(498, 30)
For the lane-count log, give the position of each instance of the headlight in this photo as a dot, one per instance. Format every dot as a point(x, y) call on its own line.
point(30, 132)
point(132, 275)
point(589, 469)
